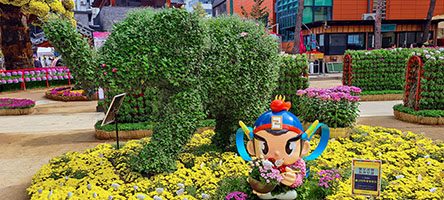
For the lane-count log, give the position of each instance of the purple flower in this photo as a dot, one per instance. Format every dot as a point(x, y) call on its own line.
point(301, 92)
point(49, 78)
point(67, 70)
point(19, 73)
point(27, 79)
point(37, 72)
point(3, 74)
point(39, 79)
point(10, 81)
point(311, 94)
point(65, 77)
point(33, 79)
point(32, 72)
point(8, 74)
point(14, 73)
point(3, 81)
point(44, 78)
point(16, 80)
point(55, 77)
point(61, 77)
point(26, 73)
point(20, 79)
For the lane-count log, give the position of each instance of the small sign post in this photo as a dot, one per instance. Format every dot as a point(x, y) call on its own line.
point(366, 177)
point(112, 113)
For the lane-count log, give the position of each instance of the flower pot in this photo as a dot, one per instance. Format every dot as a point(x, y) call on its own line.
point(334, 132)
point(259, 186)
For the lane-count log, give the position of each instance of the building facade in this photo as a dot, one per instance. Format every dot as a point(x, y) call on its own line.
point(337, 25)
point(206, 4)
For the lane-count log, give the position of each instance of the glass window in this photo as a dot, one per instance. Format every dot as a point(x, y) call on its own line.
point(371, 41)
point(323, 2)
point(337, 44)
point(307, 15)
point(308, 2)
point(322, 14)
point(355, 41)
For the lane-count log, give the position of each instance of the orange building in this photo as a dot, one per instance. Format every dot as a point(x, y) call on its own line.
point(337, 25)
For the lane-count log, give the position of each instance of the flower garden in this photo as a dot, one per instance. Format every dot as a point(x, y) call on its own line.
point(10, 106)
point(191, 90)
point(36, 78)
point(413, 168)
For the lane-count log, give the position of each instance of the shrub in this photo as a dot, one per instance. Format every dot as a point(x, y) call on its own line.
point(75, 49)
point(337, 107)
point(239, 74)
point(293, 76)
point(422, 113)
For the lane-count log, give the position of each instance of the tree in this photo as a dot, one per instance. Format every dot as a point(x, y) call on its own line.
point(425, 34)
point(15, 15)
point(378, 20)
point(257, 12)
point(199, 10)
point(297, 29)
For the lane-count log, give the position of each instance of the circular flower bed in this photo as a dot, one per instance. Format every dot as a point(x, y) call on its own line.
point(10, 106)
point(66, 94)
point(412, 168)
point(429, 117)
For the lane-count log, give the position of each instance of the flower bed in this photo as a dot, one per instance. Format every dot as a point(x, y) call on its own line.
point(337, 106)
point(429, 117)
point(412, 169)
point(66, 94)
point(10, 106)
point(40, 77)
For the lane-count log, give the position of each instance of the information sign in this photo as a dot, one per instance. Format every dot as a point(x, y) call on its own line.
point(366, 177)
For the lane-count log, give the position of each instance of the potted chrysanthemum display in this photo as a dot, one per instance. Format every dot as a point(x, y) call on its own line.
point(264, 175)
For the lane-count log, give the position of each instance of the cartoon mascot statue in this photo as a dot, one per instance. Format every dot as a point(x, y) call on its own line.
point(279, 140)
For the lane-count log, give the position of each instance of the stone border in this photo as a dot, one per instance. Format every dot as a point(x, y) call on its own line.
point(418, 119)
point(24, 111)
point(381, 97)
point(134, 134)
point(334, 132)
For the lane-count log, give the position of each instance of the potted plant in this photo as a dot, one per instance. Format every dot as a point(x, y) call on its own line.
point(264, 175)
point(337, 107)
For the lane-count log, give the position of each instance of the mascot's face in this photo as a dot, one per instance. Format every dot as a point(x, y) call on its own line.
point(284, 148)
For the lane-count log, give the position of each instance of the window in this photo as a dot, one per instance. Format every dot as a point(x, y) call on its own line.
point(356, 41)
point(323, 3)
point(371, 41)
point(220, 9)
point(307, 15)
point(337, 44)
point(322, 14)
point(307, 2)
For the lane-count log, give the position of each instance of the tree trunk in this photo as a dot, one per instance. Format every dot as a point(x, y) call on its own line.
point(15, 38)
point(425, 35)
point(297, 29)
point(378, 20)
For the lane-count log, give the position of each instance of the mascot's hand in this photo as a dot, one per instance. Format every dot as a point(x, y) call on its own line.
point(289, 177)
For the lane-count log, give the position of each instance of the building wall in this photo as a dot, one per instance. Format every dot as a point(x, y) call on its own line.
point(412, 9)
point(350, 9)
point(248, 4)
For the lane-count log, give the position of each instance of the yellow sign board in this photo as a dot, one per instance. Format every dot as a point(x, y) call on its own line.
point(316, 56)
point(366, 177)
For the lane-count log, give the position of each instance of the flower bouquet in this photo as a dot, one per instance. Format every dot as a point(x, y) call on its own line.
point(264, 176)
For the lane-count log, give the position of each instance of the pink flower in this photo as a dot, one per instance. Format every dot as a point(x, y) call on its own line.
point(257, 24)
point(103, 65)
point(243, 34)
point(114, 70)
point(105, 73)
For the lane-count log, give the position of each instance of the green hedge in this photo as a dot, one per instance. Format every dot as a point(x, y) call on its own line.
point(422, 113)
point(383, 92)
point(293, 76)
point(378, 70)
point(432, 81)
point(239, 74)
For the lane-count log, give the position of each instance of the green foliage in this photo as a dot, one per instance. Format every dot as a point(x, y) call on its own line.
point(422, 113)
point(75, 49)
point(382, 92)
point(234, 184)
point(239, 74)
point(135, 107)
point(293, 76)
point(199, 10)
point(167, 49)
point(124, 126)
point(432, 80)
point(377, 70)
